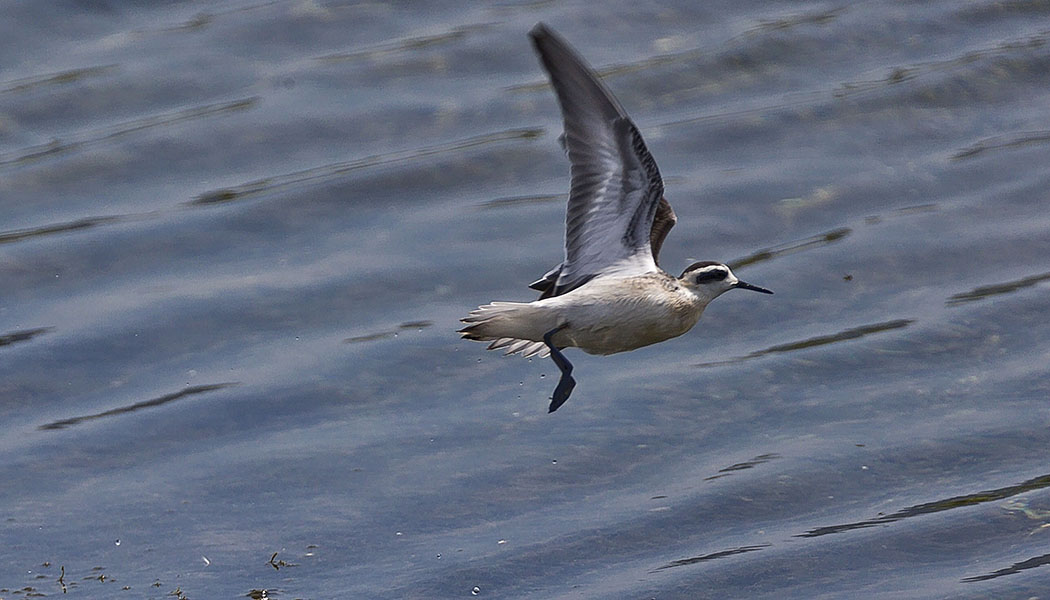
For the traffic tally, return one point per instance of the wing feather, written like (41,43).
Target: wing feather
(664,220)
(616,190)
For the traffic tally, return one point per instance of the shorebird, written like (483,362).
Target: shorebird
(608,295)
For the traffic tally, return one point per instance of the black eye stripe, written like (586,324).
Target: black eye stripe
(712,275)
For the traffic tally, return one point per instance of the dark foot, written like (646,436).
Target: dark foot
(561,393)
(566,383)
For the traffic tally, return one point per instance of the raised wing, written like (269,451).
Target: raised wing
(616,187)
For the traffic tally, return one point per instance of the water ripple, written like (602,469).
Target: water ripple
(1036,483)
(1003,142)
(17,235)
(63,77)
(813,342)
(986,291)
(407,44)
(323,172)
(22,336)
(821,239)
(747,464)
(1031,563)
(90,138)
(382,335)
(721,554)
(166,398)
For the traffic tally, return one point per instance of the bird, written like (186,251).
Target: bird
(609,294)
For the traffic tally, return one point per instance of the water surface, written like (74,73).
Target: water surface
(237,237)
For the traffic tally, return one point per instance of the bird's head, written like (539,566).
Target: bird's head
(711,279)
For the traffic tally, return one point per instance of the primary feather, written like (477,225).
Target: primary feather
(616,191)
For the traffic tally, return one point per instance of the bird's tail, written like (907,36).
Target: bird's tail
(515,326)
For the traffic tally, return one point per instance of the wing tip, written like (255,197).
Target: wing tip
(539,30)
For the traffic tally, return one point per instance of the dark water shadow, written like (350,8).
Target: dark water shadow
(747,464)
(985,291)
(90,138)
(714,555)
(189,391)
(822,239)
(23,335)
(1031,563)
(1037,483)
(382,335)
(333,170)
(823,340)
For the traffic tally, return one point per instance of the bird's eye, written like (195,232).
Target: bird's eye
(712,275)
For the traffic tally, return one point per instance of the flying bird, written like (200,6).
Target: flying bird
(608,295)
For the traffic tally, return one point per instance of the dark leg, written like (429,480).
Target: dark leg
(566,383)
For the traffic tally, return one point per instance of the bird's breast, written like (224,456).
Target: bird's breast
(627,314)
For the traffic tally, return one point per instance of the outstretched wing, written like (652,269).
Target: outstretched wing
(616,186)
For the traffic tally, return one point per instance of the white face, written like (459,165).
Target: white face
(712,280)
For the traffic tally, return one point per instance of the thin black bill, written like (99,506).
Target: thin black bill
(747,286)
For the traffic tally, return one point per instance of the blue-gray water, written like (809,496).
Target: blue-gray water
(236,239)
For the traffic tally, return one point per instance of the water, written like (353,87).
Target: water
(236,239)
